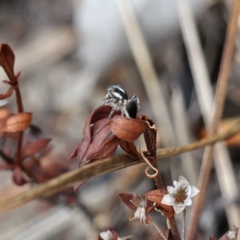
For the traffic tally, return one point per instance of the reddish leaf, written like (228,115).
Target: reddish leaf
(130,148)
(150,135)
(18,122)
(76,150)
(107,149)
(91,145)
(35,171)
(127,129)
(98,114)
(126,199)
(7,94)
(4,113)
(18,176)
(7,59)
(155,196)
(35,147)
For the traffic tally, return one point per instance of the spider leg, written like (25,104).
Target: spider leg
(111,113)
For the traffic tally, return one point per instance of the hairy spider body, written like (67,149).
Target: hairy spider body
(117,99)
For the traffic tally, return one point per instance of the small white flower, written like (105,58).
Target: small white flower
(231,234)
(140,213)
(180,195)
(106,235)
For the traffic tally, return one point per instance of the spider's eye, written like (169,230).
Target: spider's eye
(118,92)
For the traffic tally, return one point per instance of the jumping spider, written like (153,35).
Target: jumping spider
(117,98)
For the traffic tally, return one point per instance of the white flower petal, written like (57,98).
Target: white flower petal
(180,195)
(188,189)
(188,202)
(107,235)
(175,183)
(170,189)
(182,179)
(167,200)
(178,209)
(194,191)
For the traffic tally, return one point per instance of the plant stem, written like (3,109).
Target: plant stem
(20,135)
(174,228)
(184,224)
(159,231)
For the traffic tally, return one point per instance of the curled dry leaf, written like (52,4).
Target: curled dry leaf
(7,94)
(18,176)
(7,59)
(150,135)
(18,122)
(156,196)
(102,135)
(127,129)
(4,114)
(34,147)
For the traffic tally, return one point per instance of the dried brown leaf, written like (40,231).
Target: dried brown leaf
(130,148)
(7,94)
(34,147)
(7,59)
(126,199)
(127,129)
(18,122)
(18,176)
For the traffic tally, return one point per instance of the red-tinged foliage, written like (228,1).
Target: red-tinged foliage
(102,135)
(126,199)
(18,176)
(127,129)
(155,196)
(18,122)
(7,59)
(34,147)
(150,135)
(7,94)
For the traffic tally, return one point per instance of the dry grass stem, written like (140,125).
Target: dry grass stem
(205,97)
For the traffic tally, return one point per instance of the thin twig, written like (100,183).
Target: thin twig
(208,154)
(159,231)
(20,109)
(184,224)
(68,179)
